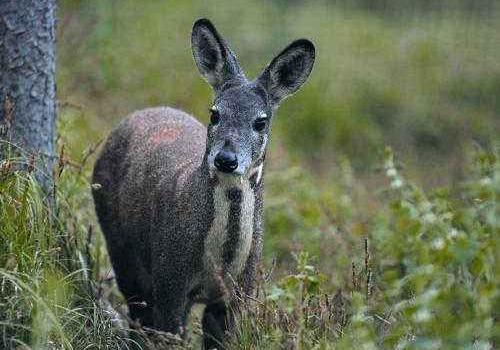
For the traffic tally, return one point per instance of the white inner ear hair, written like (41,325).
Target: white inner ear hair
(212,76)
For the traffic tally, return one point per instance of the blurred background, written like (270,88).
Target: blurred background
(420,76)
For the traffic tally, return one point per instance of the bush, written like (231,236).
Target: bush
(427,280)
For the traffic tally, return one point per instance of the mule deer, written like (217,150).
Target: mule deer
(180,205)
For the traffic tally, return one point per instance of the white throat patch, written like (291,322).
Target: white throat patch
(218,233)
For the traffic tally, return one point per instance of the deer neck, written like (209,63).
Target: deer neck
(230,232)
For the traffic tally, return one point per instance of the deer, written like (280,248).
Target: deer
(181,205)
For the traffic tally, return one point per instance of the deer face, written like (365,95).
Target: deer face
(238,131)
(241,113)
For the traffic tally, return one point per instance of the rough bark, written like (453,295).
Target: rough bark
(27,83)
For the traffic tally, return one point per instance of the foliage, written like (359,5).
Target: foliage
(46,299)
(440,274)
(426,278)
(429,281)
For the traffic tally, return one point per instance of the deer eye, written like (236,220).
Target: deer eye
(260,124)
(214,117)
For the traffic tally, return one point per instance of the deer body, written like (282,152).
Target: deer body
(181,205)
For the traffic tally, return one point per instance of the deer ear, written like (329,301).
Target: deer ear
(214,59)
(288,71)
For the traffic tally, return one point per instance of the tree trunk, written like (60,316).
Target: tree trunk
(27,84)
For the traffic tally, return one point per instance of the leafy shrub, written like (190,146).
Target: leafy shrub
(429,279)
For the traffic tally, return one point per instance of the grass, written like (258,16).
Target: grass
(46,299)
(426,278)
(422,274)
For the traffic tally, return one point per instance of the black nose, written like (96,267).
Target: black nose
(226,161)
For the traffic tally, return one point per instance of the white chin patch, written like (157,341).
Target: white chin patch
(230,179)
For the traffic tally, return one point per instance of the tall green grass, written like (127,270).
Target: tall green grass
(422,273)
(47,298)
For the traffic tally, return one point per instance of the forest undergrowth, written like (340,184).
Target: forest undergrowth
(421,273)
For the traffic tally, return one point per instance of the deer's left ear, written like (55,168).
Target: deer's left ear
(288,71)
(214,59)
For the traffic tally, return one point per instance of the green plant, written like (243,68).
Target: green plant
(46,299)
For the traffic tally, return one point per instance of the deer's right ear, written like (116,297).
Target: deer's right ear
(288,71)
(214,59)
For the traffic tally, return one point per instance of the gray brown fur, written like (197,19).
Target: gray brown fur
(179,230)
